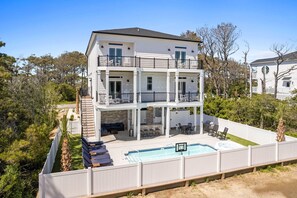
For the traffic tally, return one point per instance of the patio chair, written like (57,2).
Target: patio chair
(190,128)
(213,130)
(157,131)
(179,127)
(152,132)
(222,135)
(95,157)
(111,100)
(96,163)
(96,151)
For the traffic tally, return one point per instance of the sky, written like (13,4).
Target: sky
(53,27)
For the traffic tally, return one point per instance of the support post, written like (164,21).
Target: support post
(168,87)
(218,161)
(201,119)
(134,122)
(167,121)
(128,120)
(201,90)
(139,86)
(182,167)
(138,124)
(195,119)
(163,119)
(97,118)
(249,155)
(176,87)
(97,85)
(201,86)
(135,87)
(277,151)
(89,181)
(139,172)
(107,87)
(41,186)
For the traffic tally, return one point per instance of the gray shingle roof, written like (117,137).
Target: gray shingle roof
(136,31)
(287,57)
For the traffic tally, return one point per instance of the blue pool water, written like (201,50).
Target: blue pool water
(166,152)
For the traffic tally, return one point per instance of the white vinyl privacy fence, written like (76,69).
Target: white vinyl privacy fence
(257,135)
(96,181)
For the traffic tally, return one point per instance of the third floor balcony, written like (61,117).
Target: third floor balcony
(141,62)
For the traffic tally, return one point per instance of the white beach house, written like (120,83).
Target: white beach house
(264,72)
(139,77)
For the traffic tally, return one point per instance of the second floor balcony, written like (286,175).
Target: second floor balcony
(147,97)
(143,62)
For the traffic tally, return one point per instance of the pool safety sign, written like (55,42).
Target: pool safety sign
(181,147)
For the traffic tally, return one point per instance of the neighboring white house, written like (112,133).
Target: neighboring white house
(139,76)
(285,85)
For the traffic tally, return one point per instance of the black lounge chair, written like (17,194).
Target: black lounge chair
(93,147)
(98,151)
(222,135)
(91,143)
(95,157)
(96,163)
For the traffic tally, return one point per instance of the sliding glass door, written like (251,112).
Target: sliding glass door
(115,89)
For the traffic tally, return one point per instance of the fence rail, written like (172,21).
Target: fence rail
(141,175)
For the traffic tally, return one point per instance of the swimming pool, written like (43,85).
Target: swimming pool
(166,152)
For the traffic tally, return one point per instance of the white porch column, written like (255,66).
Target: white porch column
(139,86)
(201,119)
(135,86)
(195,118)
(107,87)
(97,118)
(167,121)
(97,85)
(128,120)
(163,118)
(138,124)
(176,86)
(168,87)
(134,122)
(201,90)
(201,86)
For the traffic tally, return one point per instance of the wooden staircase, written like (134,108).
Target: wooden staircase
(87,109)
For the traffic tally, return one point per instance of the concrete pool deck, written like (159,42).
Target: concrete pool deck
(121,143)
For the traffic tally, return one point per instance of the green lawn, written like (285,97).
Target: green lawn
(241,141)
(66,102)
(76,149)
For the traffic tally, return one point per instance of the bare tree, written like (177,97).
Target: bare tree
(281,51)
(208,53)
(245,55)
(226,35)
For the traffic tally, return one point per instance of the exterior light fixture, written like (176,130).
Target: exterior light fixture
(128,80)
(102,46)
(192,51)
(128,48)
(169,50)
